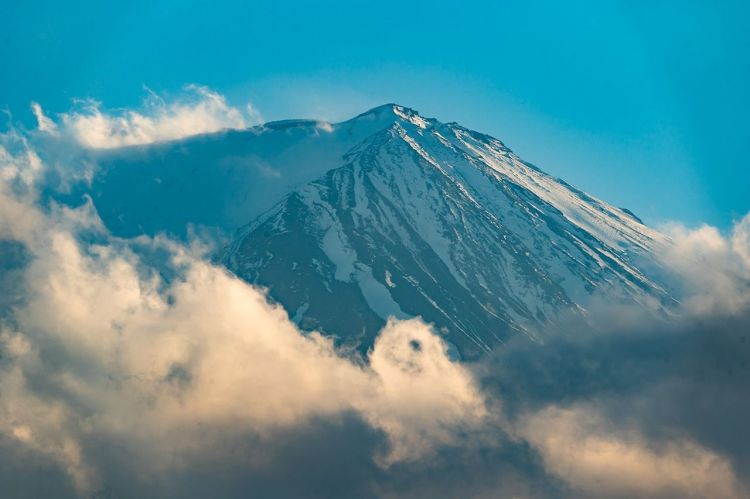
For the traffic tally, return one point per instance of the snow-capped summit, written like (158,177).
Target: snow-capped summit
(432,219)
(393,112)
(388,214)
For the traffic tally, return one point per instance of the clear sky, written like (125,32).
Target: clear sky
(644,104)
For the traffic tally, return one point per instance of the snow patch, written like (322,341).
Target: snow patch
(389,280)
(377,296)
(338,251)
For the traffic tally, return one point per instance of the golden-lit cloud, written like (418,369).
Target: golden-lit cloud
(600,459)
(153,362)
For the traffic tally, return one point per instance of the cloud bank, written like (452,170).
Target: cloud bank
(136,367)
(103,348)
(586,450)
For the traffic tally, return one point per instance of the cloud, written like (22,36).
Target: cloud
(20,168)
(422,398)
(197,110)
(599,459)
(324,125)
(253,115)
(137,367)
(741,240)
(103,348)
(712,271)
(206,353)
(632,409)
(43,122)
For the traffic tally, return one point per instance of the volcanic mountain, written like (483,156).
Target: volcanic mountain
(388,214)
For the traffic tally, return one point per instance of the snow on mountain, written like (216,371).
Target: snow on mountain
(389,213)
(431,219)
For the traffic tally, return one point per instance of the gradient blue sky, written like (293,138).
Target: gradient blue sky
(644,104)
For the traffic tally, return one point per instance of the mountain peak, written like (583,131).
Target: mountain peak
(433,220)
(390,107)
(393,112)
(388,214)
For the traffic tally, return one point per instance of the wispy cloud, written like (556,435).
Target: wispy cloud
(195,111)
(43,122)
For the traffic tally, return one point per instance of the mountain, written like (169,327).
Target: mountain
(218,181)
(389,214)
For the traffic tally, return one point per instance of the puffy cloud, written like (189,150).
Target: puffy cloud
(421,397)
(599,459)
(712,271)
(208,352)
(632,409)
(198,110)
(105,349)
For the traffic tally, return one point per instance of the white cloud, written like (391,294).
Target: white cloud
(713,270)
(172,368)
(43,122)
(599,459)
(198,110)
(324,125)
(20,168)
(421,398)
(741,240)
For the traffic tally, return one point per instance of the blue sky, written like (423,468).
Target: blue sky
(643,104)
